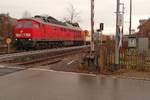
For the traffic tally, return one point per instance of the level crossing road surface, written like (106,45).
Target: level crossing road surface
(37,84)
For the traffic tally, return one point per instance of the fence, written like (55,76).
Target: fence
(128,59)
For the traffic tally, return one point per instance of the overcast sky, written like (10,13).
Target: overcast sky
(104,10)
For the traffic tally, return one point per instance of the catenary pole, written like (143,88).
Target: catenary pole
(117,34)
(130,26)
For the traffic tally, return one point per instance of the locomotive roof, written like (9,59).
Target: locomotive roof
(52,21)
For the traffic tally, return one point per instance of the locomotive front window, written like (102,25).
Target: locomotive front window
(35,26)
(19,24)
(27,24)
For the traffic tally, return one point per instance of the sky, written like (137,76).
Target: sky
(104,11)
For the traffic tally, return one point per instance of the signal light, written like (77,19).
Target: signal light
(101,26)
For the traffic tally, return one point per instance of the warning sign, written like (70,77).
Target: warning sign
(8,40)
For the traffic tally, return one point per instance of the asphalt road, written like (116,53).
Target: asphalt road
(37,84)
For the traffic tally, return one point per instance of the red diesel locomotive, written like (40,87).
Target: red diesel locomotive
(43,32)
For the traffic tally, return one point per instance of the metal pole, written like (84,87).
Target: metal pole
(123,11)
(8,48)
(92,25)
(130,26)
(117,34)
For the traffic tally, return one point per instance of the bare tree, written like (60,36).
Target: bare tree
(26,14)
(73,16)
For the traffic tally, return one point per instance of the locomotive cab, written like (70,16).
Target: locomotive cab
(25,32)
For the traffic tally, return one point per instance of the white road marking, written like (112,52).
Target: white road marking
(2,66)
(75,73)
(70,62)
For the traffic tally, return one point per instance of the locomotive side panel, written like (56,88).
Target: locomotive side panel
(37,30)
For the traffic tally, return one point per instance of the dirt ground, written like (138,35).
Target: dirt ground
(132,74)
(73,64)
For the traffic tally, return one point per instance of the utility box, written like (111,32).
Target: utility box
(132,42)
(143,44)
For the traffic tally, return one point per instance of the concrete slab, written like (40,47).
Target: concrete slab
(5,71)
(37,84)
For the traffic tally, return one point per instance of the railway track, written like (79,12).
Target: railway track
(22,61)
(44,61)
(8,57)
